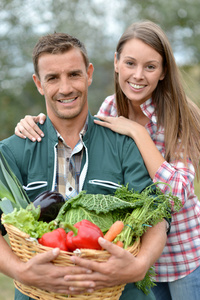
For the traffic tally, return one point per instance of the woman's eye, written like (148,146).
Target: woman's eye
(129,63)
(150,67)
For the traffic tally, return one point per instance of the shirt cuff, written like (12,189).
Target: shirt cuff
(164,173)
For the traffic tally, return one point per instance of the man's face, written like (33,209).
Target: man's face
(64,82)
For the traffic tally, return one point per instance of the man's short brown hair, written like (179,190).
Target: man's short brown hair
(57,43)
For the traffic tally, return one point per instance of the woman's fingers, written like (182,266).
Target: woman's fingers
(27,127)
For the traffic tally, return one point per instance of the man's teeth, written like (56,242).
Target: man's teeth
(136,86)
(67,101)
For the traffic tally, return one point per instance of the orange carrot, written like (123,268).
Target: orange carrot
(120,244)
(114,230)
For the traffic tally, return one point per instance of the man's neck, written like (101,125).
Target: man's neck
(70,129)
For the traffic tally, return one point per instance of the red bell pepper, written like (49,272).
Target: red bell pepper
(83,234)
(54,239)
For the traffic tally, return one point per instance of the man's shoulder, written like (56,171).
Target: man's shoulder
(100,132)
(12,146)
(12,140)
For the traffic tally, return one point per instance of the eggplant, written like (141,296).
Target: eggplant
(50,203)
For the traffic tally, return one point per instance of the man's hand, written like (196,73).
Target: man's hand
(122,267)
(40,272)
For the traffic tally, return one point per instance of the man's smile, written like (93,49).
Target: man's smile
(68,100)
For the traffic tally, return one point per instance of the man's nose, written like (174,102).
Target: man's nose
(65,86)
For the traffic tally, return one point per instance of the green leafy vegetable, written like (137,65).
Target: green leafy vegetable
(155,207)
(26,221)
(98,203)
(103,210)
(74,215)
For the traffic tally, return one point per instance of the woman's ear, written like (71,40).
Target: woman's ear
(116,61)
(162,76)
(38,84)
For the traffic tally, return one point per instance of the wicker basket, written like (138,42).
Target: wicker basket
(26,247)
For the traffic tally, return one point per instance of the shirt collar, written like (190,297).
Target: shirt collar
(148,108)
(84,129)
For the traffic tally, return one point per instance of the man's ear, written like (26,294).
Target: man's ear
(38,84)
(90,71)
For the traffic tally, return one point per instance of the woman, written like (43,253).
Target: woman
(154,110)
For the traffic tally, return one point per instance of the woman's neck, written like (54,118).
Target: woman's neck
(136,114)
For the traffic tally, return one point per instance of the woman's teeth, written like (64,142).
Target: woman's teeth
(136,86)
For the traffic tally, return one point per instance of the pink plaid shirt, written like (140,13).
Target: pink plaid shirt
(181,254)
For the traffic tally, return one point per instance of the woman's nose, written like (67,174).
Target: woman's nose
(138,73)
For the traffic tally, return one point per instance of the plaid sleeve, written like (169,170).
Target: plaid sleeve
(108,107)
(179,177)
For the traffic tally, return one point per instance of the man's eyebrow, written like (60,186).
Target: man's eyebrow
(76,71)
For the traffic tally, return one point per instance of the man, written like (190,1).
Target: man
(76,155)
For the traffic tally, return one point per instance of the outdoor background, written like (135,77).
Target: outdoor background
(99,24)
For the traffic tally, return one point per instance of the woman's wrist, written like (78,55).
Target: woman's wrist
(137,132)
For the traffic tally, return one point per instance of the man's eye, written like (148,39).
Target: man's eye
(75,74)
(51,78)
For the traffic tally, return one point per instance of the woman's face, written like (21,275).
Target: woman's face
(139,70)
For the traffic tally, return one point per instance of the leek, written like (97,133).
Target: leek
(12,194)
